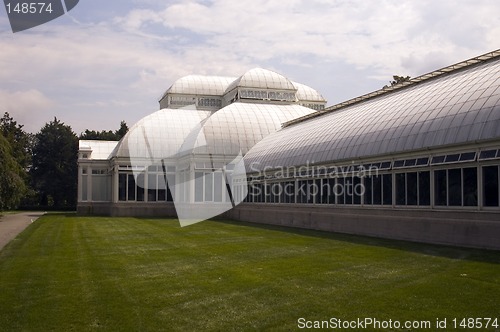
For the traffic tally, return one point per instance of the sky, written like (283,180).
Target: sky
(108,61)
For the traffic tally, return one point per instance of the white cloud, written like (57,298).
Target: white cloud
(98,74)
(26,106)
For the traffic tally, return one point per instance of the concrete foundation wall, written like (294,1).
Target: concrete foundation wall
(128,209)
(478,229)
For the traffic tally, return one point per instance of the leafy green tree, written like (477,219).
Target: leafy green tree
(105,135)
(54,170)
(12,186)
(20,141)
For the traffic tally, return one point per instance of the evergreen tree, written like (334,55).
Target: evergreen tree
(122,131)
(54,170)
(105,135)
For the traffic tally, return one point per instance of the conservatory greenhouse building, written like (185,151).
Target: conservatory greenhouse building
(416,161)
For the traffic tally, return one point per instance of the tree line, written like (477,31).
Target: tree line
(39,171)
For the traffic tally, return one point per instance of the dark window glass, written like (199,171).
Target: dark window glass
(331,191)
(340,190)
(291,191)
(302,192)
(470,186)
(323,191)
(122,187)
(349,188)
(357,190)
(399,163)
(487,154)
(267,198)
(440,187)
(468,156)
(438,160)
(410,162)
(452,158)
(424,188)
(311,191)
(400,189)
(490,183)
(140,187)
(411,188)
(131,188)
(368,190)
(422,161)
(455,187)
(377,189)
(385,165)
(283,198)
(387,189)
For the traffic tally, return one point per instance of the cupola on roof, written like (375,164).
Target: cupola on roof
(262,79)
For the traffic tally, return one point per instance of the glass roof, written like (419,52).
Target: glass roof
(201,85)
(306,93)
(238,127)
(100,149)
(262,79)
(170,133)
(459,107)
(161,133)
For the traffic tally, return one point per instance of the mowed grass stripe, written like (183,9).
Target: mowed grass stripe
(96,273)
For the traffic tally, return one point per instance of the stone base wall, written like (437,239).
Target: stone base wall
(127,209)
(477,229)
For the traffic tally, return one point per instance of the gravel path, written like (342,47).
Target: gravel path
(13,224)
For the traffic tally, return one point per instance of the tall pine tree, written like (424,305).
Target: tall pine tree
(54,169)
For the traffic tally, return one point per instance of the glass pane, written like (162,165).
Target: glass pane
(470,186)
(455,187)
(331,190)
(400,189)
(411,188)
(122,187)
(140,187)
(218,187)
(131,188)
(440,187)
(209,187)
(198,187)
(452,158)
(490,182)
(468,156)
(357,190)
(368,190)
(487,154)
(438,159)
(387,189)
(152,188)
(340,190)
(424,188)
(84,187)
(377,189)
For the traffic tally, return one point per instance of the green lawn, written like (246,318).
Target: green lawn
(94,273)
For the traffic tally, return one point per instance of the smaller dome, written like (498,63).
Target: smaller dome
(200,85)
(262,79)
(306,93)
